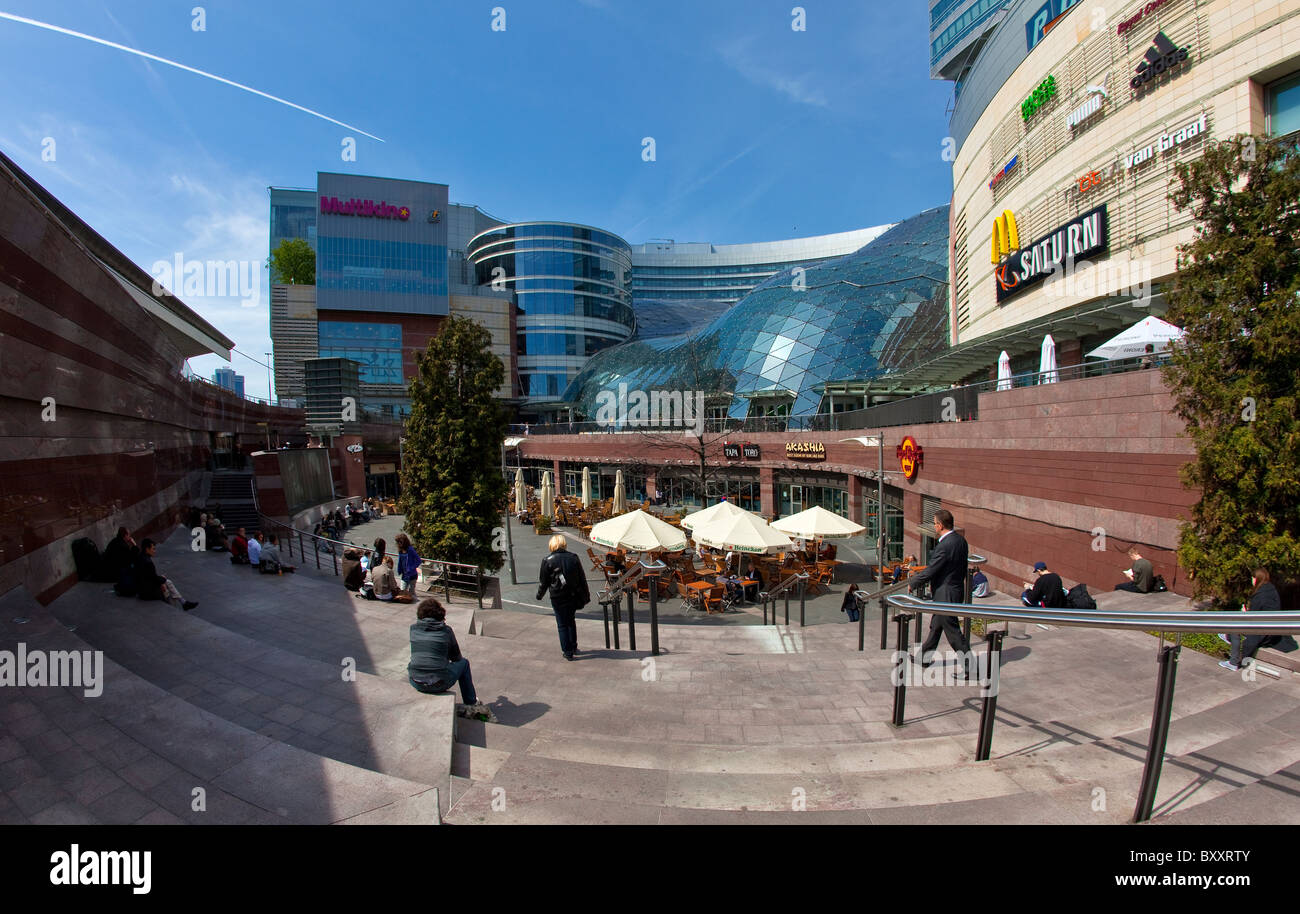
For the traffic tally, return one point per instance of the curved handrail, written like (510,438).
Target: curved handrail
(785,585)
(1254,623)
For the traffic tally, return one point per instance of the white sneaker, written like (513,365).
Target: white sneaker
(1229,665)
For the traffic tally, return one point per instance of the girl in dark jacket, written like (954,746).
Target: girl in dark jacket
(850,604)
(1265,599)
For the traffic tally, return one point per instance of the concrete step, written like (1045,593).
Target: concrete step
(137,754)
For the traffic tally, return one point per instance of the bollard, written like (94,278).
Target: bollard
(1159,731)
(617,608)
(631,620)
(654,614)
(787,606)
(763,600)
(900,685)
(989,709)
(862,625)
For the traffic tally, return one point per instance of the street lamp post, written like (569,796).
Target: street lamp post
(268,379)
(510,544)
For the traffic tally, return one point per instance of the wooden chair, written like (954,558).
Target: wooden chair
(643,589)
(713,599)
(596,563)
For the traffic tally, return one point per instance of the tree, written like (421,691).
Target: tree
(1235,379)
(452,490)
(293,262)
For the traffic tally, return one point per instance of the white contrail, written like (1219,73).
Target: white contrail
(181,66)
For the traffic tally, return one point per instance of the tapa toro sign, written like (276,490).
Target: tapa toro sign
(1080,237)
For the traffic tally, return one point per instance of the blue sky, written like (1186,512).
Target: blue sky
(761,132)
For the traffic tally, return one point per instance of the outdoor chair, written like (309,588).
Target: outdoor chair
(713,600)
(596,563)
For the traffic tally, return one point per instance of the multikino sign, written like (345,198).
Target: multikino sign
(1030,265)
(355,207)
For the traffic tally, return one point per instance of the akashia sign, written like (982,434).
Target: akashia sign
(369,208)
(1080,237)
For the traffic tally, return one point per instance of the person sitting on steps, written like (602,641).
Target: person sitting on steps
(436,662)
(150,585)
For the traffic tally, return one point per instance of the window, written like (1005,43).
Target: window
(1284,106)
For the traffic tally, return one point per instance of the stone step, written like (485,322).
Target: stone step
(137,754)
(362,720)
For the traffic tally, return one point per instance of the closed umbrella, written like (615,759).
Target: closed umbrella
(722,509)
(521,495)
(742,532)
(817,523)
(1004,371)
(1047,361)
(638,531)
(1134,341)
(586,487)
(548,496)
(620,494)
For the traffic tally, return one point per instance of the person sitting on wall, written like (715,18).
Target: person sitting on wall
(271,562)
(1047,589)
(255,550)
(120,556)
(1266,599)
(150,585)
(239,548)
(1141,576)
(979,584)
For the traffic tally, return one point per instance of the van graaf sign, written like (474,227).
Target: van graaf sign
(1166,142)
(1030,265)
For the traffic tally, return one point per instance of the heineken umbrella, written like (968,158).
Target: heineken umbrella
(638,531)
(521,494)
(1004,371)
(722,509)
(742,532)
(1047,361)
(586,487)
(817,523)
(548,496)
(1150,331)
(620,494)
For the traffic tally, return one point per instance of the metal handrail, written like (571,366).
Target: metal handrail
(1255,623)
(786,584)
(317,537)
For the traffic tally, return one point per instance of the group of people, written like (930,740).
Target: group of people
(374,576)
(261,551)
(130,568)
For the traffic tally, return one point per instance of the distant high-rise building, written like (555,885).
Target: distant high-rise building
(228,380)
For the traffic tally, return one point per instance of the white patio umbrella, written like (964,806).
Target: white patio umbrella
(1004,371)
(742,532)
(521,494)
(1134,340)
(710,514)
(586,487)
(638,531)
(817,523)
(620,494)
(548,496)
(1047,361)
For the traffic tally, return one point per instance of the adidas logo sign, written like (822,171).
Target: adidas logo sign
(1161,57)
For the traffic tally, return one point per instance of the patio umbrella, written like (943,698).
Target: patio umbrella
(710,514)
(1134,340)
(548,496)
(586,487)
(638,531)
(521,495)
(817,523)
(742,532)
(1047,361)
(1004,371)
(620,494)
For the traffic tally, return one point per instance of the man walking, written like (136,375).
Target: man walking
(562,574)
(946,574)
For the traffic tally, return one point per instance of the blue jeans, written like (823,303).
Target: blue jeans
(568,629)
(458,672)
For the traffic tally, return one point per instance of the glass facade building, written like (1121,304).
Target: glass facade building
(880,309)
(573,291)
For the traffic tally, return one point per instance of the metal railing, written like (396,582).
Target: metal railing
(799,578)
(1178,623)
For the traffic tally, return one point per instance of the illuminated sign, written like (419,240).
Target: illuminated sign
(1045,92)
(1140,15)
(751,451)
(1060,248)
(731,451)
(1006,170)
(805,450)
(1096,95)
(1005,237)
(1045,19)
(1160,58)
(369,208)
(910,457)
(1166,142)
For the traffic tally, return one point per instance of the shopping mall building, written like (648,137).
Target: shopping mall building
(1067,125)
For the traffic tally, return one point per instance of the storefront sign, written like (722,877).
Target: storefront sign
(1080,237)
(1005,237)
(1041,96)
(1160,58)
(1006,170)
(1166,142)
(381,469)
(731,451)
(805,450)
(355,207)
(1140,15)
(354,449)
(751,452)
(910,456)
(1096,95)
(1045,19)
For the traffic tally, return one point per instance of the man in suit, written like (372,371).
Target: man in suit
(946,574)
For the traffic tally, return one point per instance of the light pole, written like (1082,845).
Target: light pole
(510,545)
(268,379)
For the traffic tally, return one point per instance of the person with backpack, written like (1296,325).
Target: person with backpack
(1047,589)
(563,576)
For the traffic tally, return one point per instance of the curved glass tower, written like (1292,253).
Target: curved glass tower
(573,288)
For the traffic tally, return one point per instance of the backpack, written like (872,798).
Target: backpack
(1079,598)
(1158,584)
